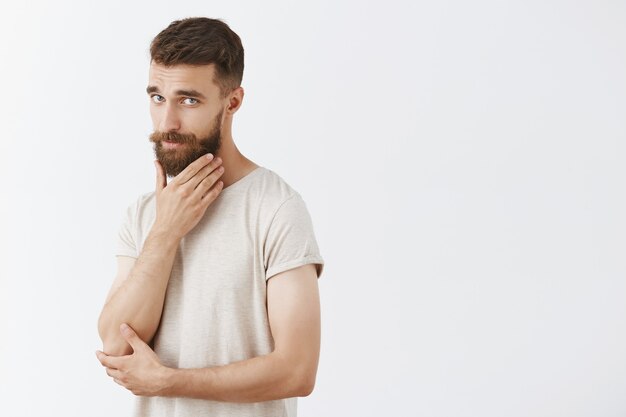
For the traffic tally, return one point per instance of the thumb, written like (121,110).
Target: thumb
(131,337)
(160,177)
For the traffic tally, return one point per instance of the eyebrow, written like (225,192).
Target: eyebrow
(186,93)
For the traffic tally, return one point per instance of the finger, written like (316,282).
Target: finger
(215,165)
(192,169)
(131,337)
(210,181)
(161,181)
(109,361)
(209,197)
(113,373)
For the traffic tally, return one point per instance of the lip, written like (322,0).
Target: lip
(171,145)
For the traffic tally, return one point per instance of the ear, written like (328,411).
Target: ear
(235,99)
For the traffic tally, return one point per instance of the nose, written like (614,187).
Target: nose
(169,120)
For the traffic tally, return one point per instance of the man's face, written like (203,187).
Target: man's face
(186,113)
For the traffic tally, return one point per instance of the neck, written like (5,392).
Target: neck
(236,165)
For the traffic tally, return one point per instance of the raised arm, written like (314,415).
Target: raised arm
(138,292)
(137,295)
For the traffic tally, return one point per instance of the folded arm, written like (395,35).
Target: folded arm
(288,371)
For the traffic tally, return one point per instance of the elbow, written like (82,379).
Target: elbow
(299,373)
(306,387)
(116,347)
(305,383)
(112,341)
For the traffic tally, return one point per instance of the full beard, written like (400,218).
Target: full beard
(175,160)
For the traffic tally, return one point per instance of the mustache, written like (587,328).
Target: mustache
(175,137)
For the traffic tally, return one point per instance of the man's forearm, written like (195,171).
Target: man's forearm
(139,300)
(262,378)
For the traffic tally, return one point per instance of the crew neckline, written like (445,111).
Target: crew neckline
(241,181)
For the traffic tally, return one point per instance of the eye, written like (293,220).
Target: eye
(191,98)
(155,95)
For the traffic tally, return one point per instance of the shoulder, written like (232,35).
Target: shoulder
(284,207)
(273,189)
(145,201)
(146,198)
(142,207)
(280,206)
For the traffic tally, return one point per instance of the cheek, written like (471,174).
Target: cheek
(197,122)
(155,116)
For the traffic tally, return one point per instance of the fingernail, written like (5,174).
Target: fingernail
(124,326)
(209,156)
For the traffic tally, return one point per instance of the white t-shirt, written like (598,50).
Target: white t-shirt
(215,305)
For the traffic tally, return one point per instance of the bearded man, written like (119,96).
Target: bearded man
(215,307)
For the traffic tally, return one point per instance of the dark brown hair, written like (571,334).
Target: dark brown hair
(202,41)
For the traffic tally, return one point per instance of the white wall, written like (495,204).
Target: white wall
(463,163)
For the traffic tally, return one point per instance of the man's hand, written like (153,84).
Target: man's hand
(141,372)
(181,204)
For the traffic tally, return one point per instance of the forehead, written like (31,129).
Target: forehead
(186,77)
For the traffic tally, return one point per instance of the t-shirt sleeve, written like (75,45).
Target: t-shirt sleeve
(126,234)
(291,240)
